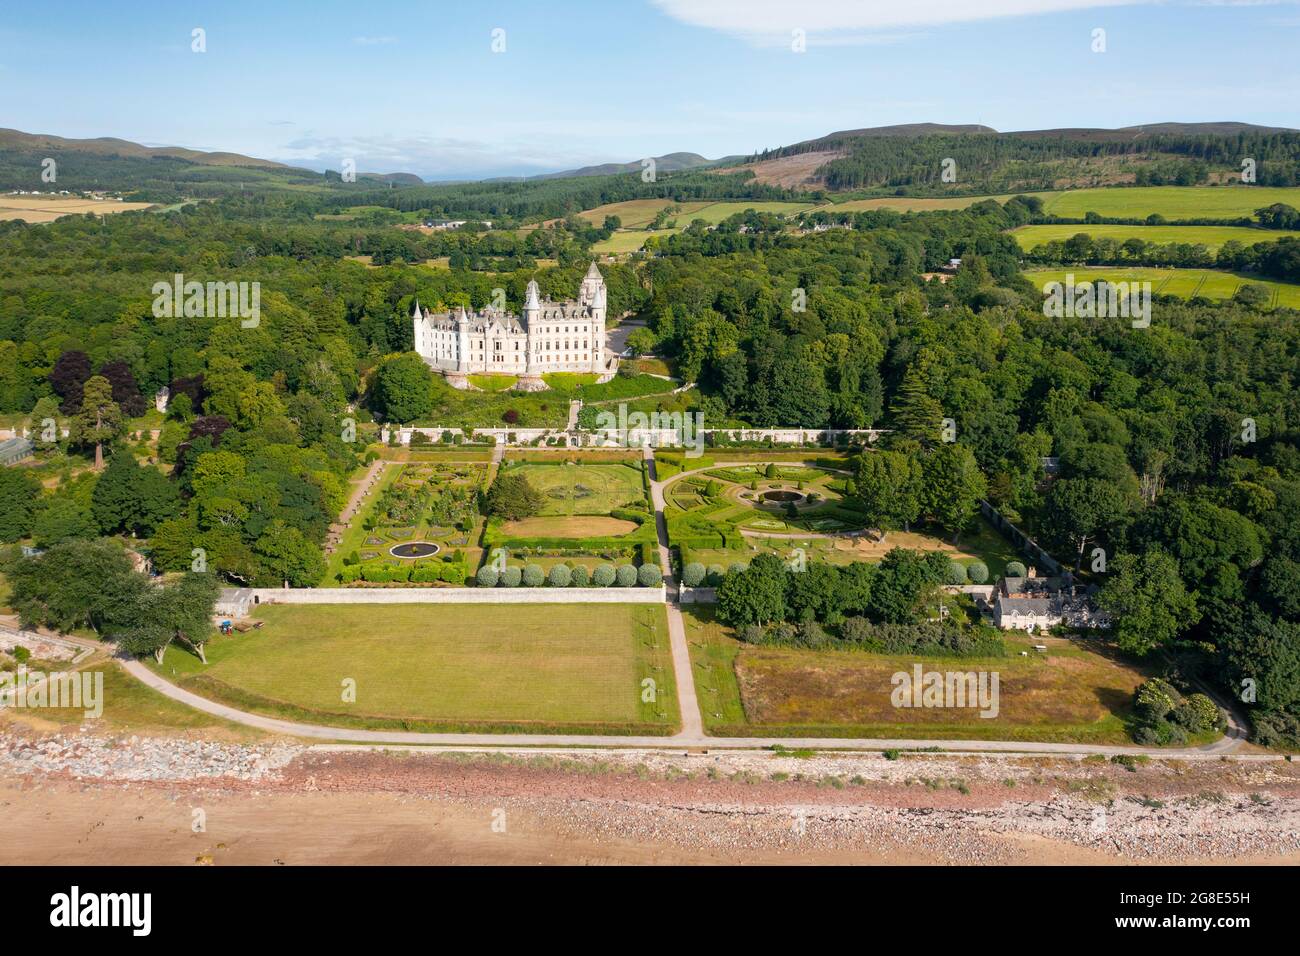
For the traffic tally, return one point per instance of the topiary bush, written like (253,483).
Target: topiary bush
(1016,569)
(978,572)
(512,576)
(736,567)
(649,576)
(559,576)
(625,576)
(715,575)
(533,576)
(693,574)
(487,576)
(956,573)
(580,576)
(603,576)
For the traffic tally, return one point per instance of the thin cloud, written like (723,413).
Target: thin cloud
(853,22)
(373,41)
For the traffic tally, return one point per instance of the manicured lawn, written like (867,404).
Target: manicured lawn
(1210,283)
(555,667)
(1213,237)
(568,526)
(1073,692)
(583,489)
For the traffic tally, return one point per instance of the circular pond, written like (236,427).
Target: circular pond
(414,549)
(782,496)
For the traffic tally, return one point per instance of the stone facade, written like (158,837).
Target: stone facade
(546,337)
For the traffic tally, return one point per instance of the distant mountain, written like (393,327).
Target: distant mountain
(12,139)
(668,163)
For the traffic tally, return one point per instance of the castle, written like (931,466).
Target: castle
(547,337)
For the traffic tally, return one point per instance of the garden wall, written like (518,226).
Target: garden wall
(541,595)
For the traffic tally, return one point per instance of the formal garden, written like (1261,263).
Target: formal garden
(723,515)
(420,525)
(570,519)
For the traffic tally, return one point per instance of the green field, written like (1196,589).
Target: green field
(1030,237)
(1172,202)
(555,667)
(1074,692)
(916,203)
(582,489)
(641,212)
(1210,283)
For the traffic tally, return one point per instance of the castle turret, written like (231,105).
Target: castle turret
(462,339)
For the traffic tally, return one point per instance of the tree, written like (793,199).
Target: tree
(953,487)
(125,390)
(177,611)
(99,420)
(131,498)
(43,424)
(74,584)
(286,555)
(1079,510)
(1145,596)
(754,595)
(19,491)
(915,413)
(403,388)
(68,378)
(888,484)
(903,581)
(511,497)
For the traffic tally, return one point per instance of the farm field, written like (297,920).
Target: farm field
(1172,202)
(637,213)
(561,668)
(49,208)
(631,238)
(1210,283)
(1072,692)
(1030,237)
(916,203)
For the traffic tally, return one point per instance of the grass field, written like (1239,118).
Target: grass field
(568,526)
(1212,236)
(583,489)
(49,208)
(558,667)
(1210,283)
(638,213)
(131,706)
(1071,693)
(915,203)
(1172,202)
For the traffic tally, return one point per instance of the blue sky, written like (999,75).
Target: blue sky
(415,86)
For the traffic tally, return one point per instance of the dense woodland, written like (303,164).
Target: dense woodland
(1178,445)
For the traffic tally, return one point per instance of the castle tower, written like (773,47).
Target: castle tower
(462,340)
(532,377)
(591,294)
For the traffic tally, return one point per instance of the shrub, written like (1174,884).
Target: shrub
(21,654)
(956,573)
(580,576)
(512,576)
(978,572)
(603,576)
(559,576)
(625,576)
(1198,713)
(533,576)
(1155,699)
(693,574)
(649,576)
(352,558)
(487,576)
(1016,569)
(736,567)
(715,575)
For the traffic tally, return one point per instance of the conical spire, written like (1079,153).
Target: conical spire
(593,272)
(532,298)
(416,313)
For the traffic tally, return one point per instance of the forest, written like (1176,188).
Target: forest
(1175,449)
